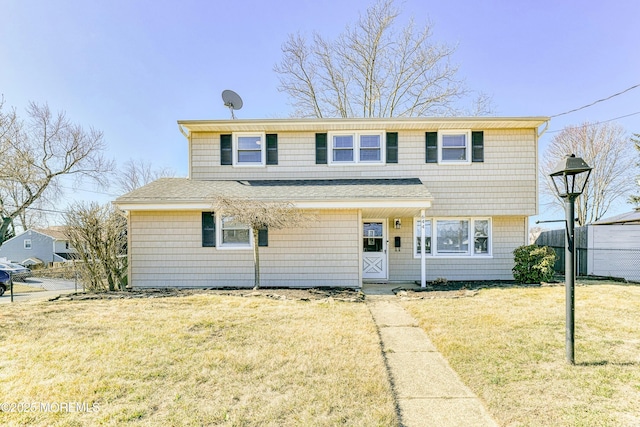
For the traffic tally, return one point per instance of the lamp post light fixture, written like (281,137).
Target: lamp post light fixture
(570,181)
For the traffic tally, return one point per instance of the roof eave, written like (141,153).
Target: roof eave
(390,124)
(301,204)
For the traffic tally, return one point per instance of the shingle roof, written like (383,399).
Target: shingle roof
(184,190)
(56,232)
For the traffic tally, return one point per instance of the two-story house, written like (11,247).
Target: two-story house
(370,185)
(38,246)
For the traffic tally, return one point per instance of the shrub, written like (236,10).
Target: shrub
(533,264)
(440,281)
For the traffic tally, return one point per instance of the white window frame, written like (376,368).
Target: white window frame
(27,244)
(467,138)
(231,246)
(489,238)
(236,148)
(356,147)
(471,253)
(416,236)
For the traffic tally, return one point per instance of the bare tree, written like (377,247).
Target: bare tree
(258,216)
(635,199)
(534,233)
(372,69)
(606,148)
(134,174)
(37,152)
(99,235)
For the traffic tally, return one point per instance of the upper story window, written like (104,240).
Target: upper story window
(454,237)
(454,147)
(451,147)
(27,243)
(249,149)
(356,147)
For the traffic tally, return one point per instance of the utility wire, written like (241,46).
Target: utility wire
(40,209)
(598,123)
(595,102)
(89,191)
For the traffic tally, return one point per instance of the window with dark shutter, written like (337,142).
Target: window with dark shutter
(208,229)
(392,147)
(263,237)
(431,147)
(226,152)
(477,146)
(321,148)
(272,148)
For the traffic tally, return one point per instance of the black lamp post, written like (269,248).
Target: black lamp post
(569,181)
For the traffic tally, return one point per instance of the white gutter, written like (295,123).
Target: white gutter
(311,204)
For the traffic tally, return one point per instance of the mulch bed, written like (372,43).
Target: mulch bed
(315,294)
(460,289)
(433,290)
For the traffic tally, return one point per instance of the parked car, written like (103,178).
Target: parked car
(17,271)
(4,282)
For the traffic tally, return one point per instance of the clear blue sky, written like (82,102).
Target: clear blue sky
(132,68)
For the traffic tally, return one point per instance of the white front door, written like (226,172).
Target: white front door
(374,249)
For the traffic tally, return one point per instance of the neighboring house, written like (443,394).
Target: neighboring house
(608,247)
(614,246)
(37,246)
(367,183)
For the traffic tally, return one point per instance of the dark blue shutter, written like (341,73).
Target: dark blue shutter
(263,237)
(208,229)
(272,149)
(321,148)
(431,147)
(226,154)
(477,146)
(392,147)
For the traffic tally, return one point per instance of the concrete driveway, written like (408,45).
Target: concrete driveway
(51,289)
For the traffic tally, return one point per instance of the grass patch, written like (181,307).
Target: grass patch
(196,360)
(19,288)
(508,346)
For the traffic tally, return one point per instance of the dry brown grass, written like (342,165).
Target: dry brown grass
(197,360)
(508,345)
(17,287)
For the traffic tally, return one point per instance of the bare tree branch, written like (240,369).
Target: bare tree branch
(606,148)
(372,69)
(36,153)
(99,236)
(261,215)
(635,199)
(137,173)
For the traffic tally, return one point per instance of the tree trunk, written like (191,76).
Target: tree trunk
(256,259)
(4,226)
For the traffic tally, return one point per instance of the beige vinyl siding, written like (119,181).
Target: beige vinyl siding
(166,251)
(507,234)
(504,184)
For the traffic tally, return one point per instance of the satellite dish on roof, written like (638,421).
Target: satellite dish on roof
(231,100)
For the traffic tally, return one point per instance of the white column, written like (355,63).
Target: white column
(423,272)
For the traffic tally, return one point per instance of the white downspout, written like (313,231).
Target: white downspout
(423,272)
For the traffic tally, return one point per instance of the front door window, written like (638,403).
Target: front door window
(374,253)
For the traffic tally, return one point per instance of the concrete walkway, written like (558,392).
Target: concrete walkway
(428,391)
